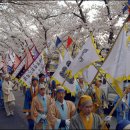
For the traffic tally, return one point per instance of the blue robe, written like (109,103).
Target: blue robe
(28,99)
(27,106)
(122,110)
(64,114)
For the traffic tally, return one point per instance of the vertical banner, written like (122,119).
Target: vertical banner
(35,69)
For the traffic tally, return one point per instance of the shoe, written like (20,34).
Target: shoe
(12,113)
(8,114)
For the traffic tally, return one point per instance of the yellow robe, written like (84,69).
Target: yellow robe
(88,123)
(37,109)
(98,101)
(54,114)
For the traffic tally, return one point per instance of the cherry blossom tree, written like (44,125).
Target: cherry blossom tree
(24,23)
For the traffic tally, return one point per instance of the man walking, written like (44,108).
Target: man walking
(61,111)
(9,99)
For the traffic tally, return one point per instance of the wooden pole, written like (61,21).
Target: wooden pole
(118,101)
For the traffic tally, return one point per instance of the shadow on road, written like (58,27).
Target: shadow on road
(18,121)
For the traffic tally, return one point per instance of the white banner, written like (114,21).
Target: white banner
(35,69)
(118,62)
(86,56)
(62,72)
(89,74)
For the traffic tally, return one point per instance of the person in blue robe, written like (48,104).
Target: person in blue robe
(122,111)
(30,93)
(123,125)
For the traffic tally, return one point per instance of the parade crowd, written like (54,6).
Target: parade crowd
(47,105)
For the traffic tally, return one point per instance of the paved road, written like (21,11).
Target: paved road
(18,121)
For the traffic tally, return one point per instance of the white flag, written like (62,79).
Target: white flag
(86,56)
(35,69)
(60,59)
(61,74)
(9,57)
(118,62)
(89,73)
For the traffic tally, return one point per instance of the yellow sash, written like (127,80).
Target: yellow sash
(87,123)
(98,92)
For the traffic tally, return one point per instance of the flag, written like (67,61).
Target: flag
(29,58)
(34,52)
(115,64)
(118,62)
(46,51)
(69,42)
(89,74)
(19,67)
(85,57)
(58,41)
(9,69)
(16,62)
(63,75)
(36,68)
(60,59)
(21,72)
(9,57)
(126,7)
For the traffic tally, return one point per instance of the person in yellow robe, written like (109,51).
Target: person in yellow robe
(39,108)
(99,98)
(61,111)
(85,119)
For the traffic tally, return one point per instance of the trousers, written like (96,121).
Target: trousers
(9,107)
(30,124)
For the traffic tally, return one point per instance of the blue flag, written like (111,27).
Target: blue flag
(9,69)
(58,41)
(126,7)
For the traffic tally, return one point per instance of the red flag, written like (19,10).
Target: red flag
(16,62)
(29,58)
(69,42)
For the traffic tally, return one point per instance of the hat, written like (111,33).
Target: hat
(41,75)
(122,124)
(42,86)
(85,100)
(60,89)
(34,78)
